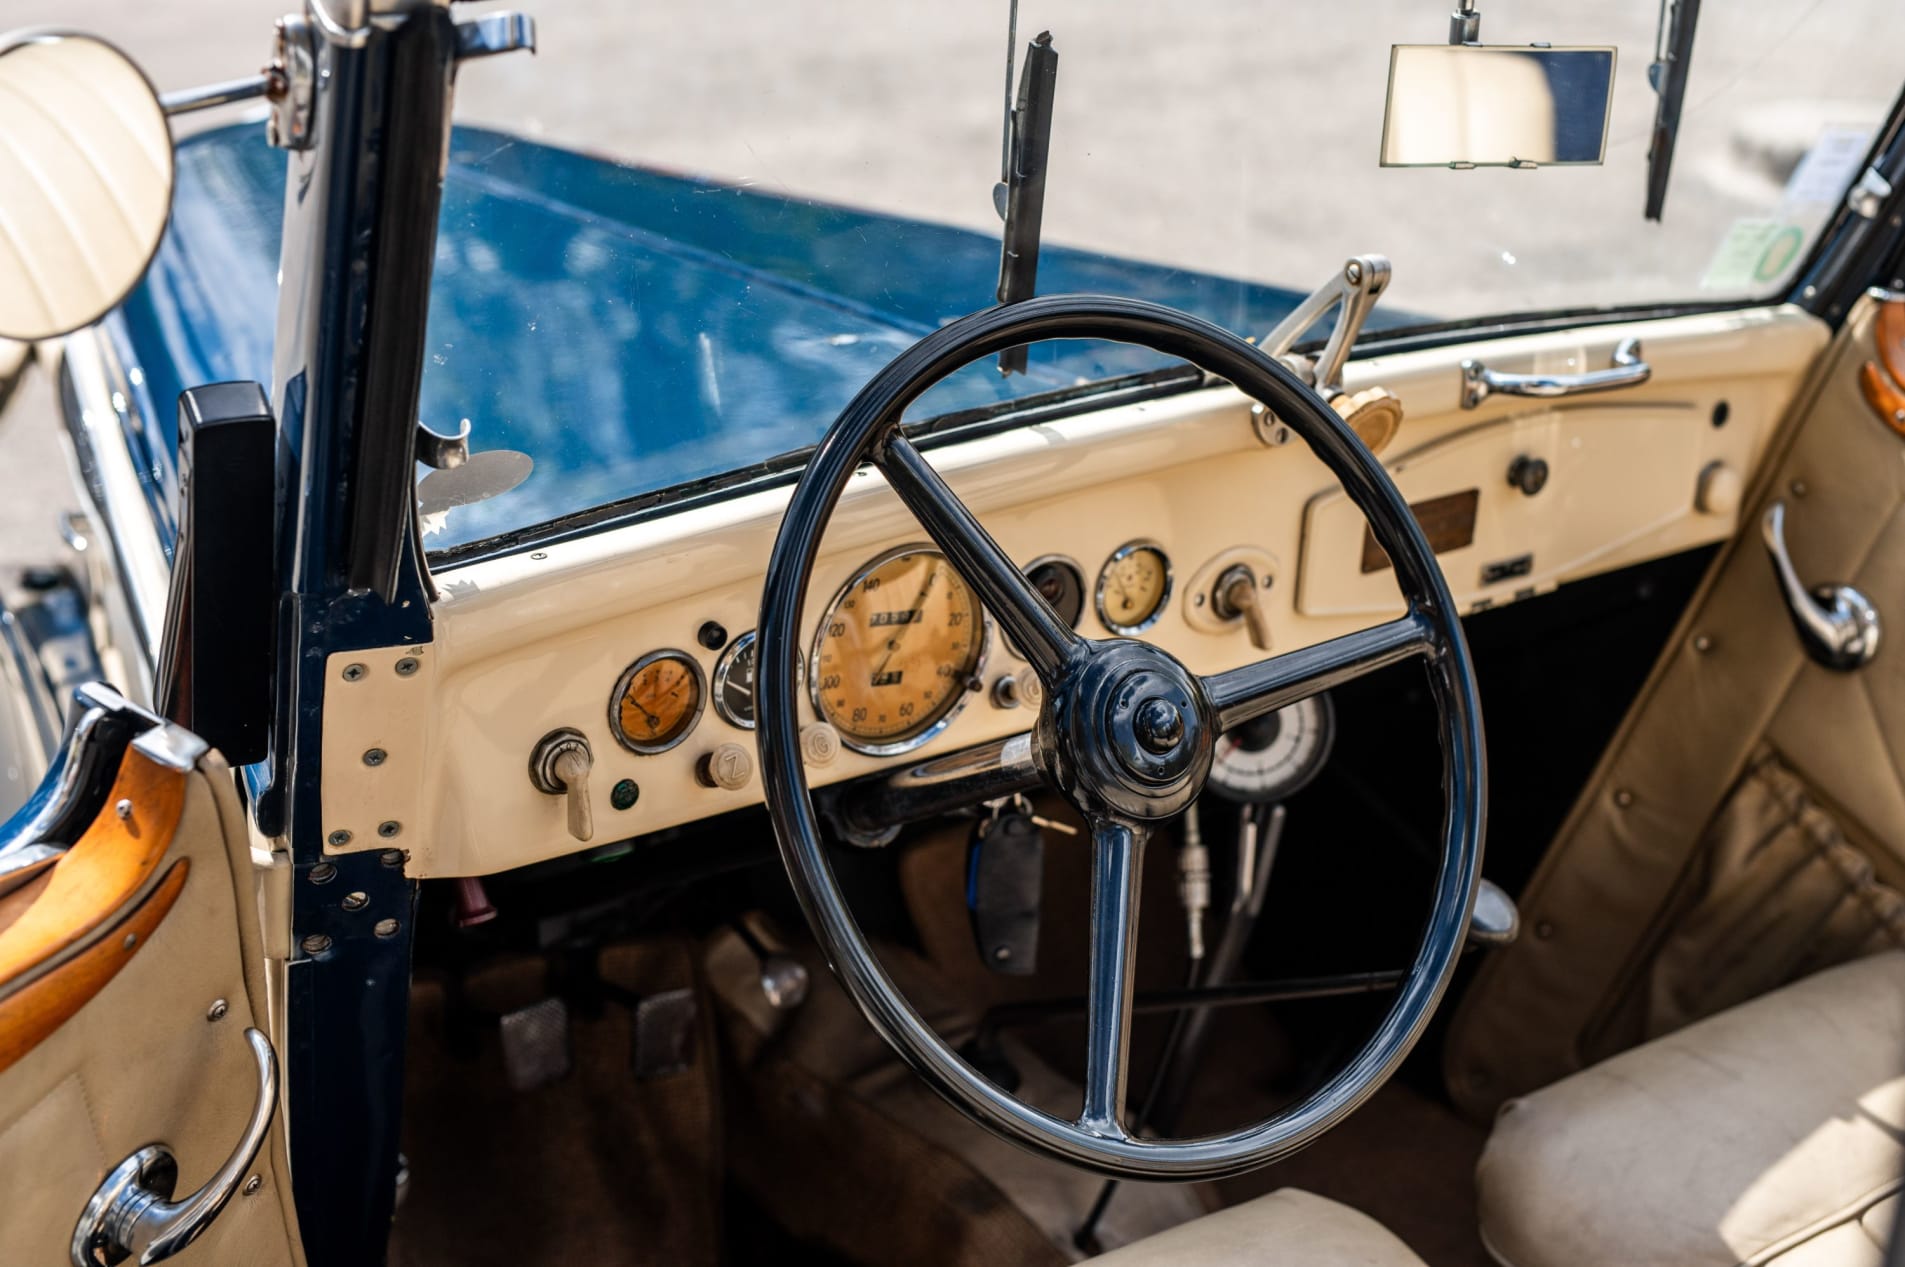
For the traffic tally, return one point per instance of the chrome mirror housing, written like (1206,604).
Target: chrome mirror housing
(87,174)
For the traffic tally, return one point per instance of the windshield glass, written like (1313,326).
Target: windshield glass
(799,191)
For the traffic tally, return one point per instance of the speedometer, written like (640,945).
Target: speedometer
(896,652)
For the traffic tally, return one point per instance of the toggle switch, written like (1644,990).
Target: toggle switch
(560,766)
(1235,596)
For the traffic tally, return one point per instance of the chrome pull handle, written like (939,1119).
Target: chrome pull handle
(132,1215)
(1838,626)
(1479,382)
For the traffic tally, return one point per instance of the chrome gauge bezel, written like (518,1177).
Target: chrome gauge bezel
(621,687)
(959,698)
(723,671)
(1125,551)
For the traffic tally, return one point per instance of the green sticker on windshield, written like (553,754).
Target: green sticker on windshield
(1755,253)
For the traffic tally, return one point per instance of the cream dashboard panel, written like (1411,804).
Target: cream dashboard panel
(538,641)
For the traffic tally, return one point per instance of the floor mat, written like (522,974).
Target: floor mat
(597,1168)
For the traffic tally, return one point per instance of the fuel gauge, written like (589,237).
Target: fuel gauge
(1133,587)
(657,702)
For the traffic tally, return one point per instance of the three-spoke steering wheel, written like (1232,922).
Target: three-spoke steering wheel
(1126,733)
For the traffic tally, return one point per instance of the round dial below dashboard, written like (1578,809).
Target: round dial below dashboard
(1133,586)
(896,651)
(657,702)
(1274,756)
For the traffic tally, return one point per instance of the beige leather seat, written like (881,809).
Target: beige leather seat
(1772,1133)
(1288,1228)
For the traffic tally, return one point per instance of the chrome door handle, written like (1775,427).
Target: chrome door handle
(132,1215)
(1838,626)
(1479,382)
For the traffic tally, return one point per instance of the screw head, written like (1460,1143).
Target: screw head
(354,672)
(1799,488)
(1353,273)
(375,756)
(388,828)
(218,1010)
(123,808)
(386,928)
(356,901)
(391,857)
(252,1185)
(339,838)
(315,944)
(1623,797)
(406,666)
(322,873)
(1702,643)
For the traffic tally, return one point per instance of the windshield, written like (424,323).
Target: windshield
(691,276)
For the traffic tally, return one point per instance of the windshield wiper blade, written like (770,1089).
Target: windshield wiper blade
(1673,54)
(1021,192)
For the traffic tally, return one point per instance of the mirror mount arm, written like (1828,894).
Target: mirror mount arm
(1465,24)
(1353,292)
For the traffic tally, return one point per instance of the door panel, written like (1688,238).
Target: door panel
(129,976)
(1647,842)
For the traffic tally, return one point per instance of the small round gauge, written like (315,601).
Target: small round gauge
(1133,587)
(657,702)
(1273,757)
(896,651)
(734,682)
(1060,583)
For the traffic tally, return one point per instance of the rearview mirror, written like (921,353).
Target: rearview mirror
(1456,105)
(85,180)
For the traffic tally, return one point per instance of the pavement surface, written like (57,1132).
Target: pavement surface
(1234,136)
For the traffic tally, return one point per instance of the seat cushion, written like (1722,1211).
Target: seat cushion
(1288,1227)
(1768,1130)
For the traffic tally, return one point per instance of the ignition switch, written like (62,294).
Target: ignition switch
(560,766)
(1236,596)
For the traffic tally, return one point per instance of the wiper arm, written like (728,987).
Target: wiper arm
(1020,195)
(1673,54)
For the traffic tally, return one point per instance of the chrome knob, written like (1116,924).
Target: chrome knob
(560,766)
(1236,597)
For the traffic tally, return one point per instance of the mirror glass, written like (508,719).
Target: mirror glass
(85,180)
(1499,106)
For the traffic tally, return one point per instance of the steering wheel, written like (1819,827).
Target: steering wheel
(1125,733)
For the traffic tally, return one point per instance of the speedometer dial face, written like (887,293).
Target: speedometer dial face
(896,651)
(1133,587)
(657,702)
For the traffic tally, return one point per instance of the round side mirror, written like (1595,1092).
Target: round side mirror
(85,180)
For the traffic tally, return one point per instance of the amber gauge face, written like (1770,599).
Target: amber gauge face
(1133,587)
(657,702)
(895,651)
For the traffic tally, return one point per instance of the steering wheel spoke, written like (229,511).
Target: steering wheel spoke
(1116,867)
(1027,618)
(1239,695)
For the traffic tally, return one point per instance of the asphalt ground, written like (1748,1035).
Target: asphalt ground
(1233,136)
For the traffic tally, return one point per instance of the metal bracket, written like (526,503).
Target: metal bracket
(495,33)
(1867,196)
(291,84)
(1353,292)
(443,453)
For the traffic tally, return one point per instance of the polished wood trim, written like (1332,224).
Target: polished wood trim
(1888,331)
(1885,399)
(38,1008)
(103,870)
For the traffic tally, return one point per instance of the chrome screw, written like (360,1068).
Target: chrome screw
(1353,273)
(406,667)
(322,873)
(1623,797)
(217,1011)
(375,756)
(356,901)
(354,672)
(339,838)
(388,828)
(123,809)
(252,1185)
(391,857)
(386,928)
(132,939)
(315,944)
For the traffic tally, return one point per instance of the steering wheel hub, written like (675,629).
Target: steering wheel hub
(1129,731)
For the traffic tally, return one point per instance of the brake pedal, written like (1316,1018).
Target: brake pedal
(536,1044)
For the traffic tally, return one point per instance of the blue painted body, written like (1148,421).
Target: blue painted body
(630,329)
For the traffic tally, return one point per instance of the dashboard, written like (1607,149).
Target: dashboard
(1175,520)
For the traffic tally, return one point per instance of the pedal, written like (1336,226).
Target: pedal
(665,1034)
(536,1045)
(1004,879)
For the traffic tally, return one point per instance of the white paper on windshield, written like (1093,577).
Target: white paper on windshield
(1826,170)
